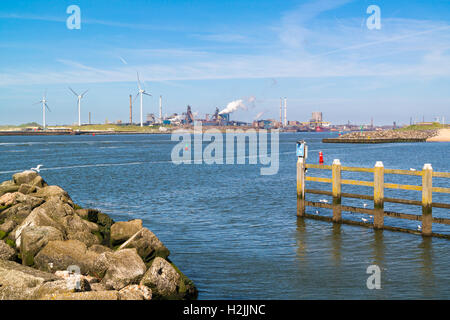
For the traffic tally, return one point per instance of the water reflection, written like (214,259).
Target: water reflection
(301,238)
(336,243)
(427,276)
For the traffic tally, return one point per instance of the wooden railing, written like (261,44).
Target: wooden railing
(378,213)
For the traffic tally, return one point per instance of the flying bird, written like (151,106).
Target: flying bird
(38,168)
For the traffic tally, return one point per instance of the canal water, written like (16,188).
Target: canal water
(235,232)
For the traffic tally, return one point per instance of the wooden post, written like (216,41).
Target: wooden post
(336,190)
(427,194)
(378,195)
(300,187)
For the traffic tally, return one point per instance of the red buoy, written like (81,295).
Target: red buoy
(320,157)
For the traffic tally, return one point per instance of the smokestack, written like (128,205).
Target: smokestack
(160,109)
(281,112)
(131,110)
(285,112)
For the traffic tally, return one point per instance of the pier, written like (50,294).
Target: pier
(379,185)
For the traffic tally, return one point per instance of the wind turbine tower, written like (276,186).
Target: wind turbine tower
(79,97)
(140,93)
(44,105)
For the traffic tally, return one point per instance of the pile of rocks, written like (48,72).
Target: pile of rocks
(391,134)
(51,248)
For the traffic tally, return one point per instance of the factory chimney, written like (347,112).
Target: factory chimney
(281,112)
(131,110)
(160,109)
(285,112)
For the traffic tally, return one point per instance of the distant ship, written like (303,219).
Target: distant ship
(321,129)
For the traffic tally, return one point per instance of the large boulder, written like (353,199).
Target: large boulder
(147,244)
(8,186)
(119,269)
(6,252)
(34,238)
(59,255)
(7,226)
(19,282)
(24,177)
(135,292)
(88,238)
(53,192)
(88,295)
(37,217)
(123,230)
(61,287)
(162,278)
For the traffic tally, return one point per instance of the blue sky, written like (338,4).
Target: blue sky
(318,54)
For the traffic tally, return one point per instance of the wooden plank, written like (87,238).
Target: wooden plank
(404,172)
(441,174)
(357,169)
(358,183)
(441,190)
(315,191)
(317,179)
(402,186)
(317,166)
(369,225)
(378,195)
(300,186)
(336,189)
(357,196)
(427,195)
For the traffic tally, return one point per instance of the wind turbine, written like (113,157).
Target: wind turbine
(79,97)
(141,92)
(44,105)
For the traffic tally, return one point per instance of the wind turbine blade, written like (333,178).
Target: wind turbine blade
(136,97)
(147,93)
(45,93)
(73,92)
(139,81)
(46,105)
(37,103)
(82,95)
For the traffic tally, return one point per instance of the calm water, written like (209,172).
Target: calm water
(234,232)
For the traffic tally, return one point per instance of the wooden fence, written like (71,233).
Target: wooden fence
(378,213)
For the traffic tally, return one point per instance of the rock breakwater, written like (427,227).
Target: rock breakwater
(52,249)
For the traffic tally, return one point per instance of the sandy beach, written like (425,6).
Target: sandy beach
(443,136)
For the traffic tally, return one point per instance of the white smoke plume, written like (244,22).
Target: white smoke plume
(233,106)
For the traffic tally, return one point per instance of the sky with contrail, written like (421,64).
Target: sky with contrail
(319,54)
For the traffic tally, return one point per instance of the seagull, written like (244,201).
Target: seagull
(317,211)
(364,220)
(38,168)
(419,227)
(323,200)
(370,216)
(365,205)
(412,169)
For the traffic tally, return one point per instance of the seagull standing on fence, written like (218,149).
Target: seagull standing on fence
(38,168)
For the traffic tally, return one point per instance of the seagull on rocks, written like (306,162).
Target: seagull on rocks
(38,168)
